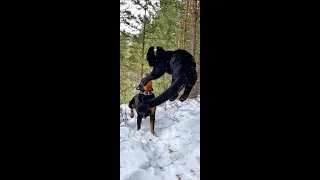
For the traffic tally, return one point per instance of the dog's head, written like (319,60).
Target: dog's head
(147,87)
(153,55)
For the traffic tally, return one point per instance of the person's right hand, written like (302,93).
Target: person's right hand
(144,81)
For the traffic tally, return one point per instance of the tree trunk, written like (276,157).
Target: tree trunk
(193,37)
(196,88)
(193,34)
(124,85)
(185,25)
(141,75)
(143,36)
(178,37)
(180,26)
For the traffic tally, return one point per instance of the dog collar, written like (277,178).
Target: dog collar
(148,93)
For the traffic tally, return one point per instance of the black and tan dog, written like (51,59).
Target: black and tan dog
(135,103)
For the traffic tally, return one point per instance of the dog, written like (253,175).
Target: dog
(135,103)
(180,64)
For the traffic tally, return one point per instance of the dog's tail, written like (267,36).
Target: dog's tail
(174,89)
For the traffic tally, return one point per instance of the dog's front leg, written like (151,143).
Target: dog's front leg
(131,110)
(152,121)
(139,121)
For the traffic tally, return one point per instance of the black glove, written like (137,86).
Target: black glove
(144,81)
(140,87)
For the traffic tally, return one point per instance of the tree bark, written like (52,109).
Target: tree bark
(185,25)
(143,36)
(193,38)
(180,26)
(193,31)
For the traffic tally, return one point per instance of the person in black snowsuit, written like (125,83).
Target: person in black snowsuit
(180,64)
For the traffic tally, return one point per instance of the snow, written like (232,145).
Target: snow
(144,156)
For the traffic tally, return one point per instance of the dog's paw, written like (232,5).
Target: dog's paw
(152,132)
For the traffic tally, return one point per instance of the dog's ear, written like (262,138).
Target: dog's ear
(151,58)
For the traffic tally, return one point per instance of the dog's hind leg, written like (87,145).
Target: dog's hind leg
(139,121)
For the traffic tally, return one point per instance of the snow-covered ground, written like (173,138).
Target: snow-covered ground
(173,153)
